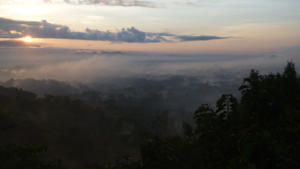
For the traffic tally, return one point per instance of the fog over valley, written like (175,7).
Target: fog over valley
(87,66)
(149,84)
(185,77)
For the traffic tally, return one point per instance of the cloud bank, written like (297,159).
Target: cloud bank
(92,65)
(124,3)
(14,43)
(199,38)
(16,29)
(94,68)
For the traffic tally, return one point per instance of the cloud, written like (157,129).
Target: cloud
(15,43)
(93,65)
(124,3)
(199,38)
(90,68)
(11,43)
(16,29)
(203,2)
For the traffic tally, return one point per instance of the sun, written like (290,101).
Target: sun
(27,39)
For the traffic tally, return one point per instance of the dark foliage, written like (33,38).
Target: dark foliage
(259,131)
(77,131)
(26,157)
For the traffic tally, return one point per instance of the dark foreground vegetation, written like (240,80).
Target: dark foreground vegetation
(261,130)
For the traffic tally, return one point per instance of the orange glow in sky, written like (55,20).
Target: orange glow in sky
(27,39)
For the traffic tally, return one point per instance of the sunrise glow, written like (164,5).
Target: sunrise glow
(27,39)
(141,84)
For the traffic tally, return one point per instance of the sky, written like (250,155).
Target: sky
(85,40)
(170,26)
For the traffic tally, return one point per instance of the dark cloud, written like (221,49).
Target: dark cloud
(11,43)
(16,29)
(101,52)
(15,43)
(199,38)
(125,3)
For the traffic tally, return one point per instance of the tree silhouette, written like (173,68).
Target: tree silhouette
(260,130)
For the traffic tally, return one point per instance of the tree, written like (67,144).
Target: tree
(261,131)
(26,157)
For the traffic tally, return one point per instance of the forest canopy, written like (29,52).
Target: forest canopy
(259,130)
